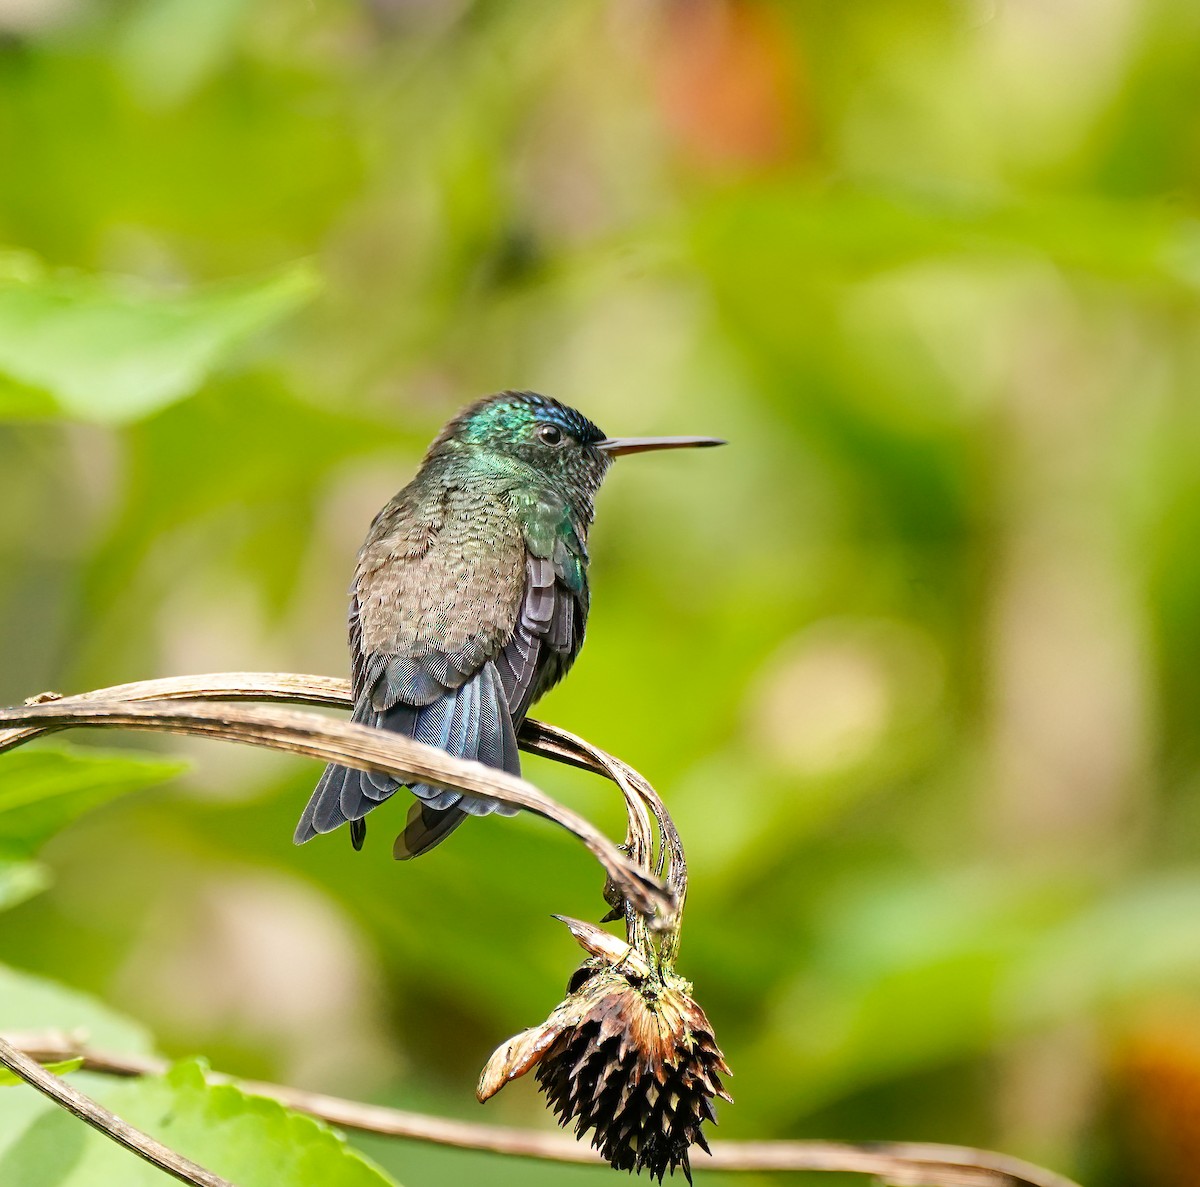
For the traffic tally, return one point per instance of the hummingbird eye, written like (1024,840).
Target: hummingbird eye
(550,434)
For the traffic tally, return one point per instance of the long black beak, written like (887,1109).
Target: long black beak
(617,446)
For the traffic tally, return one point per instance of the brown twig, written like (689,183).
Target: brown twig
(70,1098)
(353,745)
(902,1164)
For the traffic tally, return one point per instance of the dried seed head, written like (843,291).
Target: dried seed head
(629,1056)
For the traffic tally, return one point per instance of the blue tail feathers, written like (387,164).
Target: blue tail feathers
(472,721)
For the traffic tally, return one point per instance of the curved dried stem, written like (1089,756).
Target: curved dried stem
(671,854)
(641,803)
(536,737)
(902,1164)
(549,741)
(352,745)
(640,798)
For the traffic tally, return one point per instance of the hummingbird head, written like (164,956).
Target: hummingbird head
(532,434)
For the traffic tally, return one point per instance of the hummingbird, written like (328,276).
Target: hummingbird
(469,601)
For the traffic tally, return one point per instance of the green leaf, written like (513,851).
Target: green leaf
(59,1068)
(111,351)
(43,790)
(249,1140)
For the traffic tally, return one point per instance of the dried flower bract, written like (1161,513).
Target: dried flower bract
(628,1055)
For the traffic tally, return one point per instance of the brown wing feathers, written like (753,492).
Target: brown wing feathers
(455,629)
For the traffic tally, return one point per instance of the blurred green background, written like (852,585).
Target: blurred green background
(916,660)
